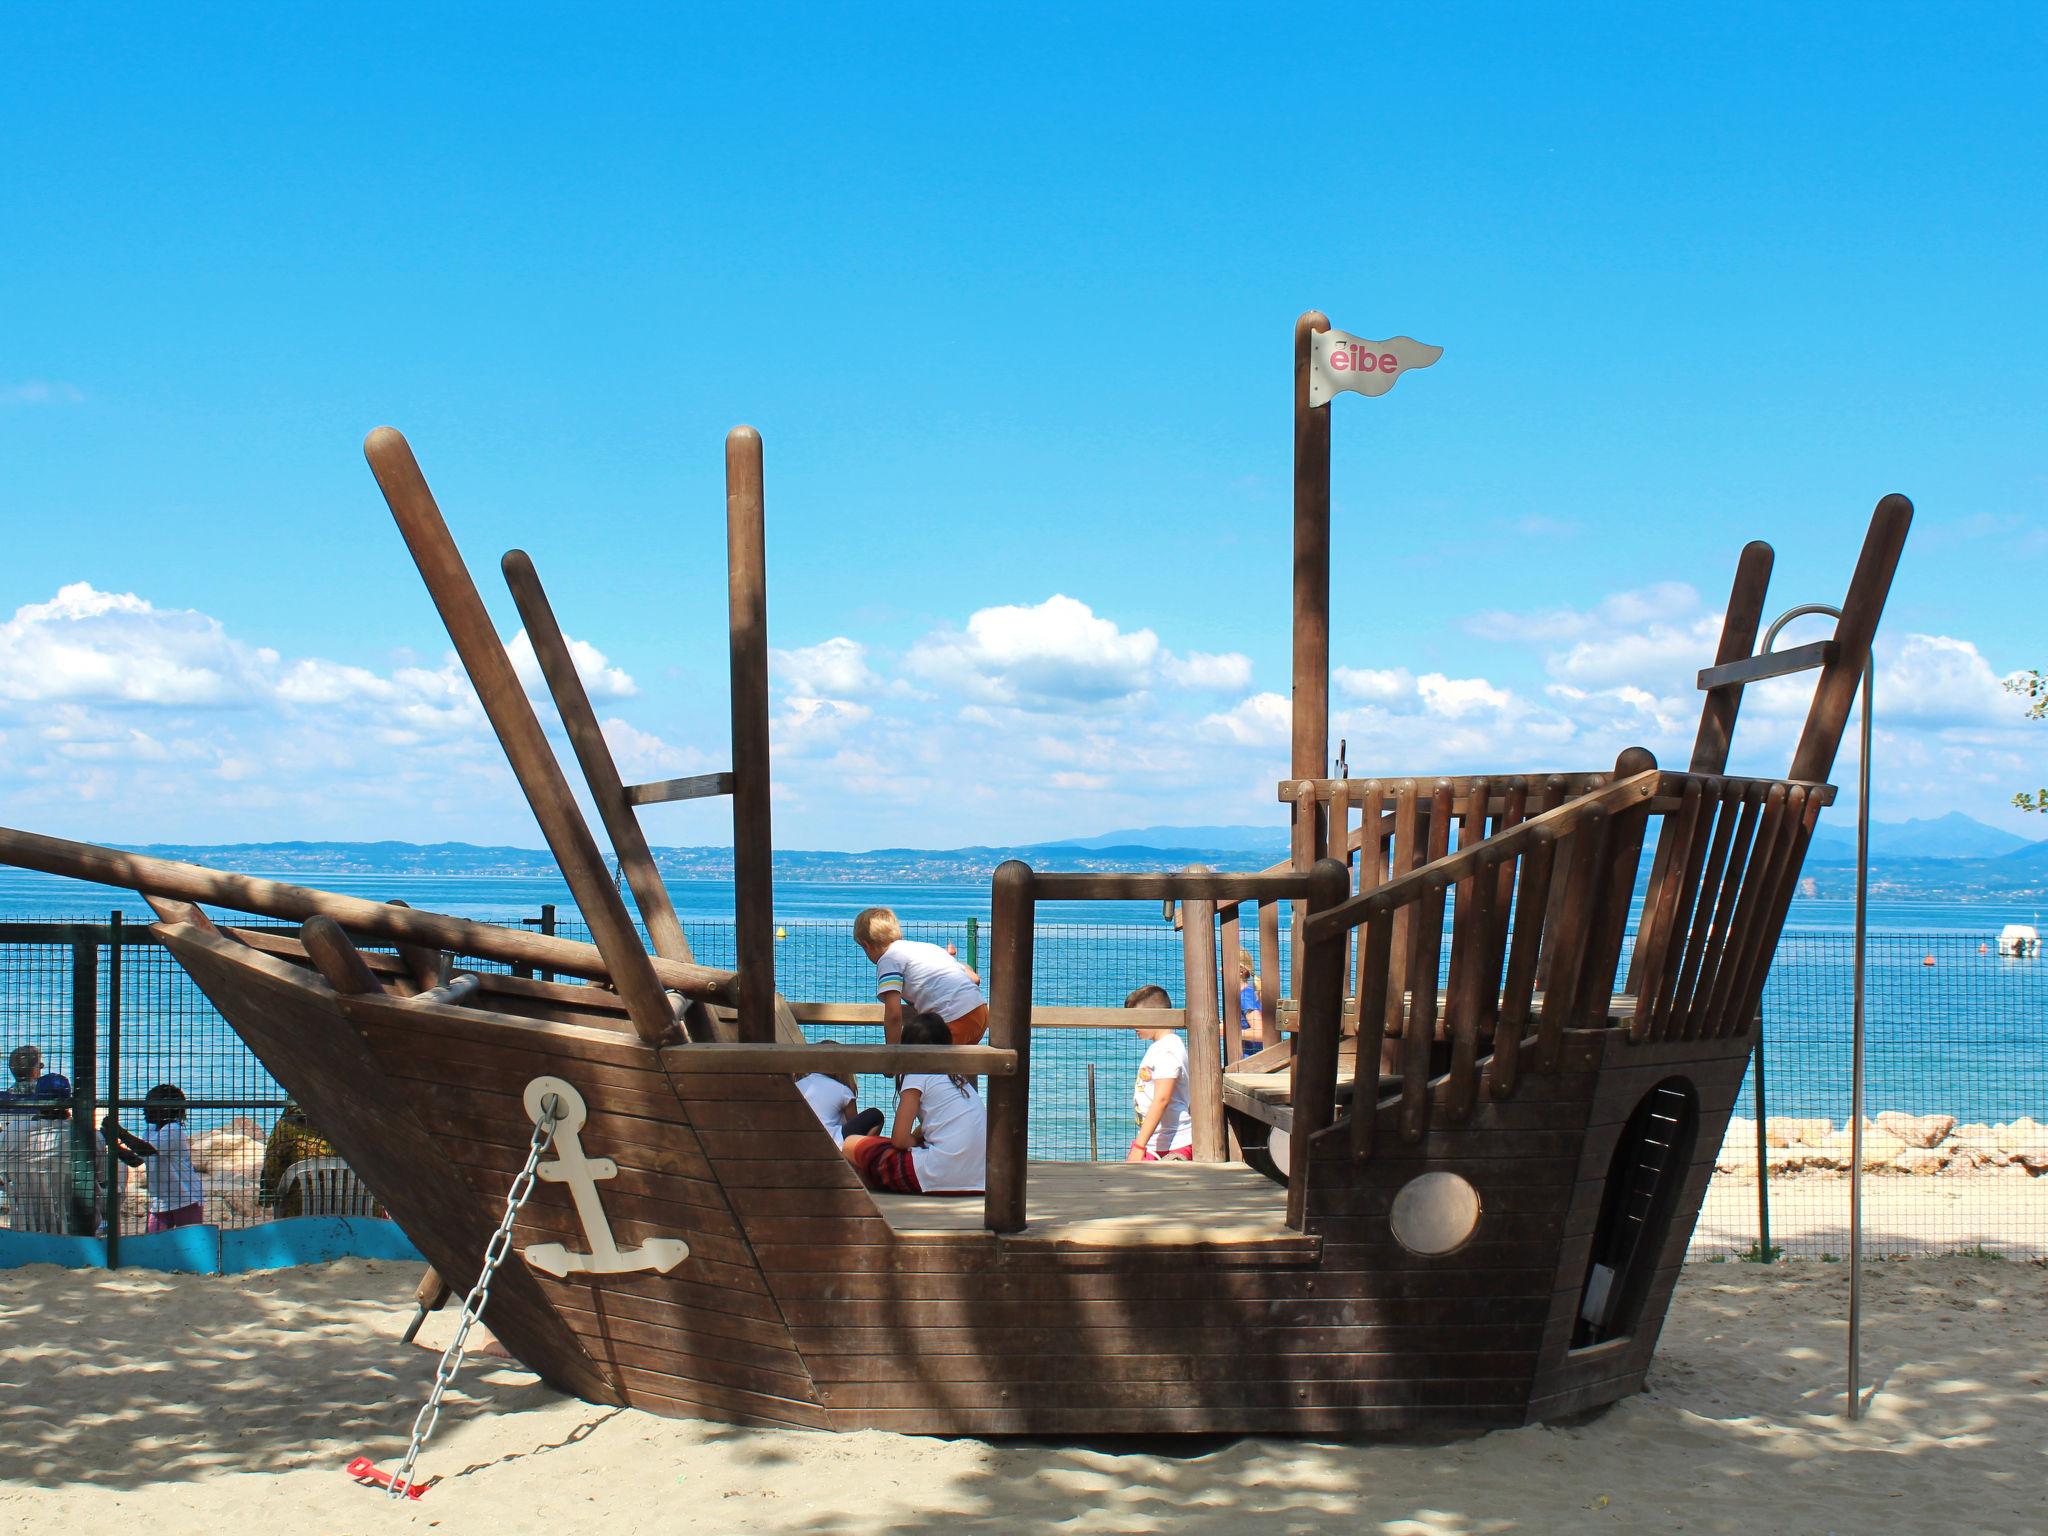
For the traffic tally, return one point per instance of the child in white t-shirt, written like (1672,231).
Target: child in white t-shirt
(939,1144)
(177,1195)
(913,977)
(1166,1131)
(831,1098)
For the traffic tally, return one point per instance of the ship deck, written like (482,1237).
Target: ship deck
(1111,1204)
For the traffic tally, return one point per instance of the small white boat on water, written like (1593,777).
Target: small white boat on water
(2019,941)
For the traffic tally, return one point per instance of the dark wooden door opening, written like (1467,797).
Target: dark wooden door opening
(1643,1179)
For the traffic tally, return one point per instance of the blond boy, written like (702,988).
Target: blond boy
(914,977)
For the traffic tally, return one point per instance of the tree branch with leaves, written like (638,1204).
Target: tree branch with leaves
(2032,685)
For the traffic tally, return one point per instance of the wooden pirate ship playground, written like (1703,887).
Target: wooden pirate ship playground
(1456,1196)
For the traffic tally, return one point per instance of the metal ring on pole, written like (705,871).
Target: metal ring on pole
(1855,1381)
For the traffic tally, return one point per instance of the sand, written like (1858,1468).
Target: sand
(229,1406)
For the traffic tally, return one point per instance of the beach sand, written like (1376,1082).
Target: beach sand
(180,1403)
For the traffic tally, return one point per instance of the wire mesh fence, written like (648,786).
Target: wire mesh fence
(1956,1078)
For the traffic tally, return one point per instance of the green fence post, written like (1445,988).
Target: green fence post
(85,1058)
(974,944)
(114,1087)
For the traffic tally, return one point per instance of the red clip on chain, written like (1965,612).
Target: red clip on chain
(365,1471)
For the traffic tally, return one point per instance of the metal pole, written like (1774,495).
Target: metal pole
(1856,1058)
(974,944)
(85,1056)
(547,926)
(1763,1154)
(1093,1155)
(114,1088)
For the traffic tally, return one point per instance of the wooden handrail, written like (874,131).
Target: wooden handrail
(1270,885)
(839,1056)
(373,919)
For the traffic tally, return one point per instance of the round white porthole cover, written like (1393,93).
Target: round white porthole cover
(1435,1213)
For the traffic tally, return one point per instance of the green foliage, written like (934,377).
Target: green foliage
(1759,1254)
(2032,685)
(1979,1251)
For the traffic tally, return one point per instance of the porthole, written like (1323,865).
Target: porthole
(1435,1213)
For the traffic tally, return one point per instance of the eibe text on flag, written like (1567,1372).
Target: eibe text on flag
(1338,361)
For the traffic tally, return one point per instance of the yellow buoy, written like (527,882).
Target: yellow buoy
(782,933)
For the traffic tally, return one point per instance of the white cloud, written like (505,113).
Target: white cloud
(1205,673)
(1665,601)
(1375,685)
(832,669)
(601,680)
(107,647)
(1263,720)
(1456,697)
(1055,653)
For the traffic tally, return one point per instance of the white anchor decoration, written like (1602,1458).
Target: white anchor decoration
(581,1173)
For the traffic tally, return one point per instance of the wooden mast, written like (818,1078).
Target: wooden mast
(1311,565)
(518,730)
(753,866)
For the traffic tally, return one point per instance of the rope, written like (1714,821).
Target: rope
(479,1296)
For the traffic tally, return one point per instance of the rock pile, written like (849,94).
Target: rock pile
(1893,1142)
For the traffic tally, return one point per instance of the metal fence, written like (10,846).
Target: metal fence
(1957,1063)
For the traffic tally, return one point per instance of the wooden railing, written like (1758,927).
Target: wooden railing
(1542,903)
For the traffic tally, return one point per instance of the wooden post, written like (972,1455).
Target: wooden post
(1230,950)
(1739,625)
(1319,1024)
(1311,565)
(1205,1045)
(1009,994)
(594,756)
(338,959)
(518,730)
(752,836)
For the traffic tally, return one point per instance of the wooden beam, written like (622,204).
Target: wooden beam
(700,786)
(1315,1060)
(1835,694)
(1739,626)
(594,757)
(337,958)
(518,730)
(837,1056)
(1186,886)
(1751,669)
(753,840)
(169,878)
(1311,758)
(1009,996)
(1205,1045)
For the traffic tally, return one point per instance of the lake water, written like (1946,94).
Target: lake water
(1967,1035)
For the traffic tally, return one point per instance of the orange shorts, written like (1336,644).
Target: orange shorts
(970,1026)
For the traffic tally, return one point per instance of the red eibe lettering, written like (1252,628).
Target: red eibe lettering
(1350,357)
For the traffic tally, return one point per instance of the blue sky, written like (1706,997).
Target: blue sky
(1010,297)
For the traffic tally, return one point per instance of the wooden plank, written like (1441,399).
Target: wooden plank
(1718,911)
(698,786)
(1269,974)
(1568,933)
(1205,1047)
(594,757)
(1754,669)
(1220,1372)
(1469,990)
(1375,952)
(1186,886)
(1322,1003)
(1624,854)
(836,1056)
(1311,625)
(1659,930)
(1757,894)
(1406,854)
(1306,832)
(1426,948)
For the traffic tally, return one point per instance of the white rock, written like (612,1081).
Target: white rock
(1917,1130)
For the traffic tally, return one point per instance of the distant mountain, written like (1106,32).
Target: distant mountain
(1954,836)
(1268,840)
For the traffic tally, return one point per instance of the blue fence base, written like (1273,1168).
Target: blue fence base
(212,1251)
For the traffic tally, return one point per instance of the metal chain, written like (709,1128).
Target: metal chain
(479,1296)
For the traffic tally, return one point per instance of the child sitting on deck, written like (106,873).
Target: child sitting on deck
(914,977)
(831,1097)
(34,1163)
(177,1197)
(1166,1132)
(939,1145)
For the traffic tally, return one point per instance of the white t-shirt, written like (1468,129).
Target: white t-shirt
(173,1182)
(1165,1057)
(954,1120)
(829,1099)
(930,980)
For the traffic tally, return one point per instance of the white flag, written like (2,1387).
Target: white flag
(1338,361)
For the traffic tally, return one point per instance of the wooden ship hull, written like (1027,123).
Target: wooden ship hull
(1455,1195)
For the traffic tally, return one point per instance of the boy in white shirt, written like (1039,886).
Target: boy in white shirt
(913,977)
(1166,1131)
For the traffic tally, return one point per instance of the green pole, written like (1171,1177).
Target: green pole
(974,944)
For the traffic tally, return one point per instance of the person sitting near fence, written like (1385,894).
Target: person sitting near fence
(1166,1131)
(34,1161)
(25,1064)
(177,1195)
(914,977)
(1249,1008)
(939,1145)
(831,1097)
(293,1139)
